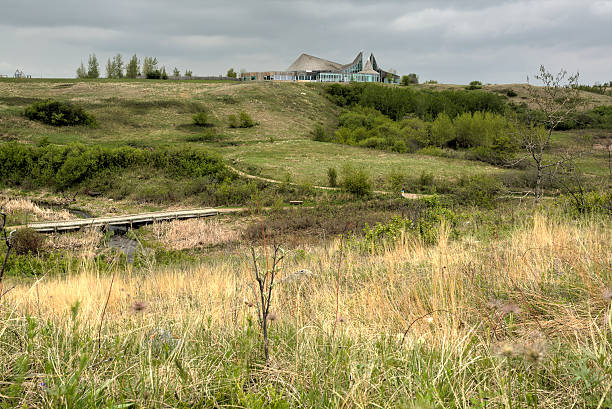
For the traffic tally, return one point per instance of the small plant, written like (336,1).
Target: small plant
(319,134)
(201,119)
(232,121)
(356,181)
(27,240)
(474,85)
(511,93)
(245,120)
(332,176)
(264,278)
(58,113)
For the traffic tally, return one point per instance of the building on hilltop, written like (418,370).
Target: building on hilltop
(310,68)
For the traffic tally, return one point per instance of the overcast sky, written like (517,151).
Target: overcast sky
(448,41)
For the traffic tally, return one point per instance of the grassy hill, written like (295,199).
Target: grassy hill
(151,113)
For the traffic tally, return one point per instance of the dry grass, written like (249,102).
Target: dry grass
(531,269)
(188,234)
(13,206)
(483,323)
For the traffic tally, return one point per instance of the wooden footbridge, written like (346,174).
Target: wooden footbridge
(126,222)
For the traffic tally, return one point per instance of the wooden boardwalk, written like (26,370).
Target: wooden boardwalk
(127,221)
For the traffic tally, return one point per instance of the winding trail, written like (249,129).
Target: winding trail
(263,179)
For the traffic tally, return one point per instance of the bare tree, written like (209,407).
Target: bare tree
(264,277)
(7,240)
(558,98)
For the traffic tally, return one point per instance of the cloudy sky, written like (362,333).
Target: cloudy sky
(448,41)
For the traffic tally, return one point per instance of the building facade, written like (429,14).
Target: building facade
(315,69)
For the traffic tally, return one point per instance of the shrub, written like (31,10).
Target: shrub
(64,167)
(474,85)
(200,119)
(511,93)
(27,240)
(319,134)
(245,120)
(332,176)
(154,75)
(356,181)
(58,113)
(478,190)
(232,121)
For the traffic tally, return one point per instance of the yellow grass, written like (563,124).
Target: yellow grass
(188,234)
(12,206)
(379,293)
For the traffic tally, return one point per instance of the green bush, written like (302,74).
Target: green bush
(478,190)
(332,176)
(319,134)
(356,181)
(232,121)
(64,167)
(474,85)
(58,113)
(27,240)
(511,93)
(399,102)
(200,119)
(245,120)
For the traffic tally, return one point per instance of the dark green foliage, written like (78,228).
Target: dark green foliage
(26,241)
(231,73)
(242,120)
(64,167)
(409,79)
(319,134)
(356,181)
(332,176)
(478,190)
(200,119)
(154,75)
(474,85)
(397,103)
(58,113)
(511,93)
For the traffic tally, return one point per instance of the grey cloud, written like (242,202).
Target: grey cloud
(450,41)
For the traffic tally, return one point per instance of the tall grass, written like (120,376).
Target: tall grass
(518,321)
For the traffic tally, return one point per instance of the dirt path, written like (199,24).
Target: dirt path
(263,179)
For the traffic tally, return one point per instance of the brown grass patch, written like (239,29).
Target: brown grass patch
(187,234)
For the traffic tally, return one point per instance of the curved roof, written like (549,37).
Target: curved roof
(367,69)
(307,62)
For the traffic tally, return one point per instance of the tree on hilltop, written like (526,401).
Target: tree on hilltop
(93,68)
(132,69)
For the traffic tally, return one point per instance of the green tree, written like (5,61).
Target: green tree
(176,72)
(409,79)
(163,73)
(231,73)
(109,68)
(132,68)
(81,72)
(188,73)
(149,66)
(118,66)
(442,130)
(93,67)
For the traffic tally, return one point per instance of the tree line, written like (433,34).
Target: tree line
(117,68)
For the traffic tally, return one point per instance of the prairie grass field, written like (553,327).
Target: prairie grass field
(518,320)
(344,269)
